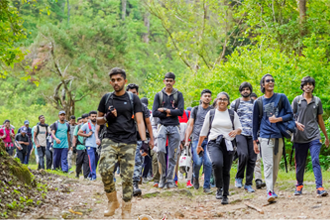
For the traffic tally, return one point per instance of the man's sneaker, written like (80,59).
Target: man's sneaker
(238,183)
(207,190)
(189,185)
(298,190)
(145,180)
(219,193)
(196,183)
(249,189)
(155,185)
(170,185)
(224,200)
(321,192)
(161,184)
(260,184)
(270,197)
(275,195)
(136,190)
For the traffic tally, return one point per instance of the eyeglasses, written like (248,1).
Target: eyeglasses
(270,80)
(223,100)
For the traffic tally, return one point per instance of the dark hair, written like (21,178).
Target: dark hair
(145,101)
(6,121)
(132,86)
(79,118)
(116,71)
(206,91)
(305,80)
(262,82)
(40,116)
(254,95)
(92,113)
(84,116)
(72,117)
(244,85)
(218,96)
(170,75)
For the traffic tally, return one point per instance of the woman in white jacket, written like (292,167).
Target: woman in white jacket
(221,125)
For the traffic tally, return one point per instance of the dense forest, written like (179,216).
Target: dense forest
(55,54)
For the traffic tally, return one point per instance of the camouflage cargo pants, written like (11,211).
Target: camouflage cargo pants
(112,153)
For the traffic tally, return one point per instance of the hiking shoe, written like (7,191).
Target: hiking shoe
(145,180)
(298,190)
(176,183)
(207,190)
(270,197)
(189,185)
(275,195)
(170,185)
(260,184)
(136,190)
(196,183)
(321,192)
(219,193)
(249,189)
(161,184)
(238,182)
(155,185)
(224,200)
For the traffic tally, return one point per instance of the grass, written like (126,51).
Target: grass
(57,172)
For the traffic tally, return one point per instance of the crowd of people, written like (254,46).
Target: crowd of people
(143,145)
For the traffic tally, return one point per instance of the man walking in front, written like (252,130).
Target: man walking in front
(246,156)
(119,111)
(195,126)
(168,105)
(61,135)
(40,135)
(308,111)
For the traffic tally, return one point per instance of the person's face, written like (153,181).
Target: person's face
(118,82)
(72,121)
(27,125)
(308,87)
(61,117)
(85,120)
(42,120)
(7,124)
(23,133)
(246,92)
(222,102)
(206,98)
(169,82)
(93,118)
(79,121)
(133,91)
(269,83)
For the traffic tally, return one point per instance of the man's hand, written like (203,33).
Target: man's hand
(186,144)
(233,133)
(199,149)
(181,146)
(256,147)
(273,119)
(57,141)
(12,135)
(38,146)
(151,144)
(160,109)
(114,112)
(98,141)
(300,126)
(70,149)
(326,142)
(90,133)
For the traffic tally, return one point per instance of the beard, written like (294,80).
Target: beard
(206,103)
(93,120)
(118,89)
(246,95)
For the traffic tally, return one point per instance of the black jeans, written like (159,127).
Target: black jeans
(221,162)
(82,161)
(41,154)
(246,158)
(49,157)
(21,154)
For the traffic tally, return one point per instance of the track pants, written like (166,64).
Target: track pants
(82,162)
(61,159)
(93,158)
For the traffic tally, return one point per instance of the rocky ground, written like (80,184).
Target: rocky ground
(71,198)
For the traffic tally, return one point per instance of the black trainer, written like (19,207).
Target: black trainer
(196,183)
(224,200)
(136,190)
(219,193)
(260,184)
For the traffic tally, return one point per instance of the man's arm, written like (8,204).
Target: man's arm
(141,126)
(155,107)
(149,127)
(255,121)
(100,118)
(180,109)
(69,140)
(35,138)
(82,129)
(322,126)
(189,130)
(97,130)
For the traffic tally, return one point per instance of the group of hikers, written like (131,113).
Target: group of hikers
(125,135)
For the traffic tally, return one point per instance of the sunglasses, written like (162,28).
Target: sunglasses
(269,80)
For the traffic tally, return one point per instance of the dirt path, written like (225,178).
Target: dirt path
(89,199)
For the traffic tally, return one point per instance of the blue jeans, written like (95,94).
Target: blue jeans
(301,152)
(198,161)
(93,158)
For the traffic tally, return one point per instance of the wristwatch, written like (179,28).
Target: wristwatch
(144,142)
(105,118)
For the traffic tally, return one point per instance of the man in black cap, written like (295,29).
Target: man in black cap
(22,143)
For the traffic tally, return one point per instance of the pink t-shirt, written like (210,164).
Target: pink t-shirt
(7,139)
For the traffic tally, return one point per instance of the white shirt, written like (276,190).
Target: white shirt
(221,125)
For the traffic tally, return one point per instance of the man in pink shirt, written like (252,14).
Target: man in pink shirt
(7,134)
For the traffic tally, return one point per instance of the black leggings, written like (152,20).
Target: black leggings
(221,162)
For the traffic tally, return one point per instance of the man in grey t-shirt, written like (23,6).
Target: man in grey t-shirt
(195,125)
(308,111)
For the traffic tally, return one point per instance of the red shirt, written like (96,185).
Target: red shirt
(185,117)
(7,139)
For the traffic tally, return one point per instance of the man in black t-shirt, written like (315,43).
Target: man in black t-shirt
(117,111)
(22,143)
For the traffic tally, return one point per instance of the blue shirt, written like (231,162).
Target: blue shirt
(270,108)
(90,141)
(62,134)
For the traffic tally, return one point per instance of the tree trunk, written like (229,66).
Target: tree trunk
(68,6)
(302,15)
(147,25)
(123,10)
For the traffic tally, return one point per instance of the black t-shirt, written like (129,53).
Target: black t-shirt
(123,129)
(19,137)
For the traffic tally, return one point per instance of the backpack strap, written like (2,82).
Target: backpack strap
(261,108)
(37,130)
(212,113)
(132,103)
(161,99)
(109,95)
(89,126)
(237,102)
(232,117)
(195,111)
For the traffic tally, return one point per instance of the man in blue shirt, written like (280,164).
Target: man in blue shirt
(88,131)
(61,135)
(270,136)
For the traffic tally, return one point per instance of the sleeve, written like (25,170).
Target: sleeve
(1,132)
(137,104)
(146,111)
(102,107)
(232,105)
(155,107)
(180,110)
(84,128)
(52,127)
(75,133)
(16,137)
(294,107)
(206,125)
(193,111)
(320,108)
(255,121)
(288,110)
(69,127)
(19,131)
(34,130)
(237,123)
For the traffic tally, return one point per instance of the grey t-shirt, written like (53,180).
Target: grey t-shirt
(307,116)
(72,127)
(198,124)
(245,113)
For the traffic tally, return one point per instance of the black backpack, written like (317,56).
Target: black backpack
(161,98)
(231,115)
